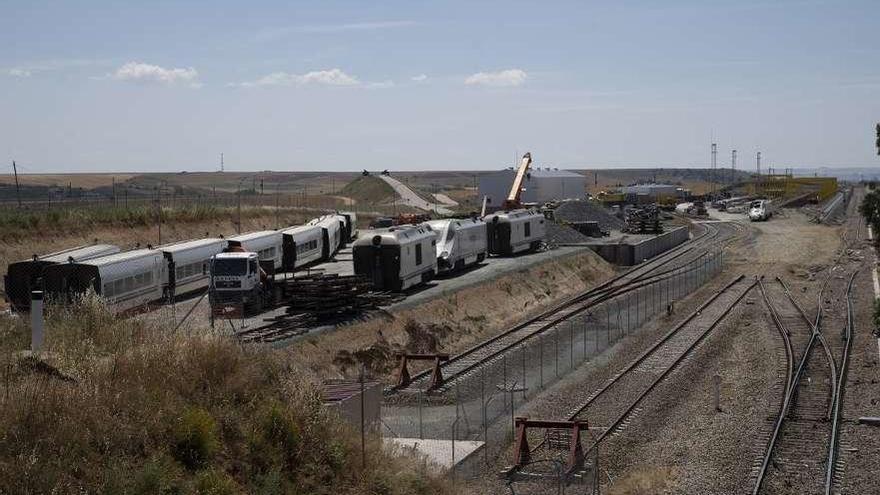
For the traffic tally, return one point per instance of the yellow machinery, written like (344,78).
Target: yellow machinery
(786,186)
(611,198)
(513,198)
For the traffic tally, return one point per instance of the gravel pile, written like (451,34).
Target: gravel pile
(562,234)
(586,211)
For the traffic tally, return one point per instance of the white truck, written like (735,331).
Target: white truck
(240,283)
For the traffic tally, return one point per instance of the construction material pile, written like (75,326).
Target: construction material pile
(586,211)
(563,234)
(644,220)
(324,297)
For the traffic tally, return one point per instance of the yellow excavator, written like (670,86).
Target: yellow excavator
(513,198)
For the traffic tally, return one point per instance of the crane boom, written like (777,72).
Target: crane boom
(513,198)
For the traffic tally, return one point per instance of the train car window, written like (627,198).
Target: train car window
(204,268)
(118,286)
(148,278)
(418,254)
(528,227)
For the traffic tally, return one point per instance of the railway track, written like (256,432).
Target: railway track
(618,401)
(802,453)
(641,276)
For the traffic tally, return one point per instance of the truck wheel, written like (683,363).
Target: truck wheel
(481,257)
(459,265)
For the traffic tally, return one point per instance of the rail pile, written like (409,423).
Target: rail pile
(644,220)
(328,296)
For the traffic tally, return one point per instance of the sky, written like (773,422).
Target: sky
(417,85)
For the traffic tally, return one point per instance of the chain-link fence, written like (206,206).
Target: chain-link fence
(467,426)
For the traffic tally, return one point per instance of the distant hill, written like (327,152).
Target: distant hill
(368,189)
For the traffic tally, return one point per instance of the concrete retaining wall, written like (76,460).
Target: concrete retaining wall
(631,254)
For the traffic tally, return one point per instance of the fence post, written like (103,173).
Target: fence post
(556,346)
(363,432)
(570,344)
(484,415)
(421,399)
(37,321)
(584,320)
(541,359)
(523,353)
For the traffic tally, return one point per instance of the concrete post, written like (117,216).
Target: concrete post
(37,321)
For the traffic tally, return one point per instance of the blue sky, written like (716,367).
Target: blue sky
(150,86)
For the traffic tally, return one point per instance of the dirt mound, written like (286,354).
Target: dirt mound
(368,189)
(562,234)
(586,211)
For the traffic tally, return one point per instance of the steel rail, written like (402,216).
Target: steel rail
(836,419)
(670,368)
(601,292)
(832,364)
(637,361)
(786,338)
(587,304)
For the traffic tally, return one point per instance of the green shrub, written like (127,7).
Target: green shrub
(215,482)
(157,477)
(194,438)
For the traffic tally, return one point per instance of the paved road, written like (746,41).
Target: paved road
(412,199)
(446,200)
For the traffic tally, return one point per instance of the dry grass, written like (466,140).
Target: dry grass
(86,181)
(450,323)
(130,408)
(644,481)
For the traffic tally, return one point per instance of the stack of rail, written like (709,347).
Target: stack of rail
(327,296)
(643,220)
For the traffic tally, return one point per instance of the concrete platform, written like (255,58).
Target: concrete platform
(438,453)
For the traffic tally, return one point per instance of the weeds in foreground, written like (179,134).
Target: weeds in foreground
(136,409)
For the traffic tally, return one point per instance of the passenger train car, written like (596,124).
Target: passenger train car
(515,231)
(189,264)
(351,230)
(396,258)
(332,234)
(460,242)
(303,246)
(268,244)
(22,277)
(126,280)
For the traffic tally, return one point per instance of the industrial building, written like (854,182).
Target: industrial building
(540,185)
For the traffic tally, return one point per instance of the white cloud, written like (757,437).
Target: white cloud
(420,78)
(331,77)
(380,84)
(17,72)
(504,78)
(137,71)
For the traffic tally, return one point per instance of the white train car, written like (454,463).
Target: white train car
(303,246)
(189,264)
(351,230)
(332,234)
(22,277)
(515,231)
(460,242)
(396,258)
(126,280)
(268,244)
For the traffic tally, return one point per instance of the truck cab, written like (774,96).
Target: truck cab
(236,280)
(759,210)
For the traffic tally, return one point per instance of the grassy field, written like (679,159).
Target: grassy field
(121,406)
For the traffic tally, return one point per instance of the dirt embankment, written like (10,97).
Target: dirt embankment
(450,323)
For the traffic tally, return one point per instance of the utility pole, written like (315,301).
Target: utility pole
(714,167)
(733,166)
(17,186)
(221,162)
(759,163)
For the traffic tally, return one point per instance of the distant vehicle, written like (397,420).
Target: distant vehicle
(760,210)
(22,277)
(396,258)
(516,231)
(460,242)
